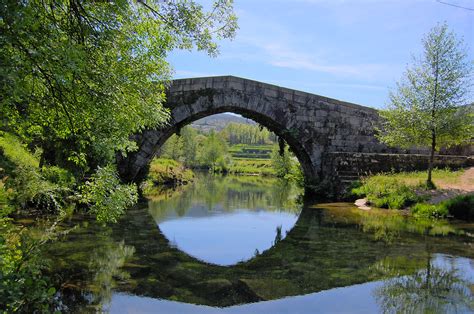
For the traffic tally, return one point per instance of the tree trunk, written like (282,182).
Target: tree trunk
(429,181)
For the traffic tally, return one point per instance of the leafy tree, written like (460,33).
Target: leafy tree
(425,110)
(281,162)
(182,147)
(240,133)
(106,196)
(173,148)
(77,78)
(190,145)
(214,151)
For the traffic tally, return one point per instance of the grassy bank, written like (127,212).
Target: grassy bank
(168,172)
(251,167)
(247,151)
(408,190)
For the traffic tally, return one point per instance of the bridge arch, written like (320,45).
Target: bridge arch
(312,125)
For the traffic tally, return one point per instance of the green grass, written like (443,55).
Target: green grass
(168,171)
(251,166)
(399,190)
(461,207)
(13,153)
(387,191)
(414,178)
(246,151)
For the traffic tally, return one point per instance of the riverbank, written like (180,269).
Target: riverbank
(168,172)
(454,195)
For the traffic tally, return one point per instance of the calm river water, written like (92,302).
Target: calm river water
(248,245)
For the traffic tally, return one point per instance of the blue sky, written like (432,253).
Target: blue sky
(349,50)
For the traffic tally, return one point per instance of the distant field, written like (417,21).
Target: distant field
(244,151)
(251,166)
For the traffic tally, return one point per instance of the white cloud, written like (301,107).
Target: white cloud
(280,55)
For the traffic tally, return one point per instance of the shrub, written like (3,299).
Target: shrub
(461,206)
(386,192)
(23,286)
(429,210)
(30,189)
(59,176)
(106,197)
(13,150)
(165,171)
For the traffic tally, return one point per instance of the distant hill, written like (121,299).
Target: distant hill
(218,121)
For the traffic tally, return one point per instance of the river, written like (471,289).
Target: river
(230,244)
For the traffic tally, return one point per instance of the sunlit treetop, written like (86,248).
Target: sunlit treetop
(77,78)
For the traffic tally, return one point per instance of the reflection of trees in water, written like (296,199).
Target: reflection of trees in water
(89,271)
(227,193)
(322,251)
(428,289)
(105,264)
(388,225)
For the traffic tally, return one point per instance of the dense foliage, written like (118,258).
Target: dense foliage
(425,110)
(239,133)
(461,207)
(106,197)
(238,148)
(167,172)
(79,77)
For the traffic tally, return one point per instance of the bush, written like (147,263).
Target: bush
(30,189)
(45,190)
(386,192)
(429,210)
(58,176)
(461,206)
(23,286)
(106,197)
(165,171)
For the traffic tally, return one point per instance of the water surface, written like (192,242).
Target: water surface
(246,245)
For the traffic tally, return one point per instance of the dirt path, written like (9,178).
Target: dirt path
(466,182)
(445,191)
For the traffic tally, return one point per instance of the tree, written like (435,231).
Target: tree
(77,78)
(189,134)
(426,108)
(173,148)
(281,161)
(214,151)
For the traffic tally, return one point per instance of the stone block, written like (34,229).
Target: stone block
(268,92)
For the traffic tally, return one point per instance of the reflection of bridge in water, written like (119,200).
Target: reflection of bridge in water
(325,249)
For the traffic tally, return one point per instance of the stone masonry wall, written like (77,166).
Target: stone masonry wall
(348,167)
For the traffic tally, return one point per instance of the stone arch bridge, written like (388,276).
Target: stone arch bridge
(325,134)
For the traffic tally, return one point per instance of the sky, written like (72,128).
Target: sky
(353,51)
